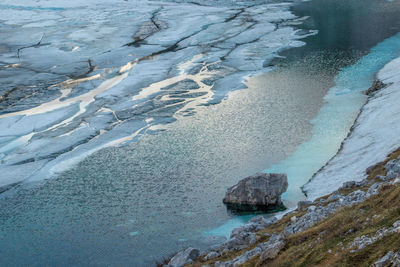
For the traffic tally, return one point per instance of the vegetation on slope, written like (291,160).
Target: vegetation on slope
(328,243)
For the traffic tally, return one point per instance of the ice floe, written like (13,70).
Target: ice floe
(82,76)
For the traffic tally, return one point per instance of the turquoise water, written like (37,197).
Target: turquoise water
(333,122)
(226,229)
(342,103)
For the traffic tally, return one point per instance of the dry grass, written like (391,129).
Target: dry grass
(326,244)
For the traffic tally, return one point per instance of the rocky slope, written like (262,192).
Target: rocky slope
(357,225)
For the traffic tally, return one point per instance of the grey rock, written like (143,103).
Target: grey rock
(393,165)
(382,177)
(239,241)
(310,218)
(318,213)
(390,259)
(393,169)
(243,236)
(257,223)
(396,227)
(271,245)
(246,256)
(355,197)
(273,250)
(353,184)
(374,189)
(260,191)
(311,208)
(361,242)
(376,86)
(184,257)
(211,255)
(385,260)
(263,221)
(391,174)
(302,205)
(225,251)
(348,185)
(334,196)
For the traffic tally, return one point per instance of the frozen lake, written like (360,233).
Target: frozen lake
(133,109)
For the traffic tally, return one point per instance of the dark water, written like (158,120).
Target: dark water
(131,206)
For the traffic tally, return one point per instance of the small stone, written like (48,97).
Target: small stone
(348,185)
(184,257)
(334,196)
(385,260)
(211,255)
(396,224)
(302,205)
(381,177)
(272,251)
(263,222)
(311,208)
(393,165)
(293,219)
(374,189)
(391,174)
(376,86)
(350,231)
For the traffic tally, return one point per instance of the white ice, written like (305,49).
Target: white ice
(99,74)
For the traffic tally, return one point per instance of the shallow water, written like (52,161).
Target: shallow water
(135,204)
(344,100)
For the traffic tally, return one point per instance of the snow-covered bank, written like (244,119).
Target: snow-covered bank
(375,134)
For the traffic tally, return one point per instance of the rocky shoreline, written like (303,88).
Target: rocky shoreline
(251,243)
(314,212)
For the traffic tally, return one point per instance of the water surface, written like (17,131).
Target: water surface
(135,204)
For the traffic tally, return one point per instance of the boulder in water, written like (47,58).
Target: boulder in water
(259,192)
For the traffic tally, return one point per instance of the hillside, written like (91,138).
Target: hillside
(355,226)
